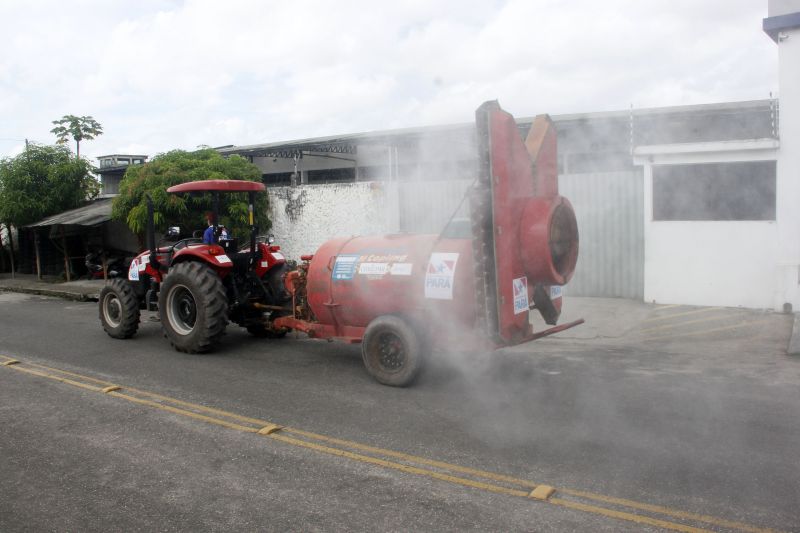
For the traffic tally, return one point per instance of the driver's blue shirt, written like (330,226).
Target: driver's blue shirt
(208,236)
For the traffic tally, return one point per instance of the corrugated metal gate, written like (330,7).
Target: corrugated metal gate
(426,206)
(610,210)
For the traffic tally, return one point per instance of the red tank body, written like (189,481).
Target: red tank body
(352,280)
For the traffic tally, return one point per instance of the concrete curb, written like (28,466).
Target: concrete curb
(794,342)
(78,297)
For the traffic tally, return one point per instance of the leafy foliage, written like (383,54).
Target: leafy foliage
(78,128)
(43,181)
(187,210)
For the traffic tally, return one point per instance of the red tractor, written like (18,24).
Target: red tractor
(197,288)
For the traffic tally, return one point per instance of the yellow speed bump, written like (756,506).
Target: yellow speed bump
(11,362)
(110,388)
(542,492)
(270,429)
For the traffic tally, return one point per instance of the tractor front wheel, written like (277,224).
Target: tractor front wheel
(193,307)
(392,351)
(119,309)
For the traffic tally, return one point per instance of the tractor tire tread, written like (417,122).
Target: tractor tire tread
(129,321)
(212,299)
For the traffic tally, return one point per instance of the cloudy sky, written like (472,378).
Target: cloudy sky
(162,74)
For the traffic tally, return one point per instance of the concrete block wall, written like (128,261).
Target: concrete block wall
(306,216)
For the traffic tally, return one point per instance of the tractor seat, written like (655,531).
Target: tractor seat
(231,246)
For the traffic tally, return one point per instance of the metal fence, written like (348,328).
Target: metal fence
(610,211)
(425,207)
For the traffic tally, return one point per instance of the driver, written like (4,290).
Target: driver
(208,235)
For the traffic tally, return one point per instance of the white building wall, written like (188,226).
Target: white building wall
(306,216)
(751,264)
(711,263)
(724,263)
(788,207)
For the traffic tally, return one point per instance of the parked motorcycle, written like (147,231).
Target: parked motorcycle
(116,266)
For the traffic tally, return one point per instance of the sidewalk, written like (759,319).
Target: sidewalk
(605,317)
(610,320)
(81,290)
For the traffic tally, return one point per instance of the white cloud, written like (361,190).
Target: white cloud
(163,74)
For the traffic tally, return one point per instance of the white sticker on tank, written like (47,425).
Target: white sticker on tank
(264,264)
(223,259)
(344,267)
(556,291)
(133,271)
(401,269)
(373,269)
(520,295)
(440,275)
(278,256)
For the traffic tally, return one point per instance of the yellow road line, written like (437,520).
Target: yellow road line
(686,313)
(397,466)
(19,368)
(164,398)
(667,511)
(639,519)
(499,477)
(184,412)
(260,423)
(707,331)
(684,323)
(73,374)
(413,458)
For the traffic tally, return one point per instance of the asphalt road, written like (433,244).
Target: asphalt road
(706,429)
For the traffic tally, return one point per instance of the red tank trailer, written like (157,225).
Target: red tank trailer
(404,295)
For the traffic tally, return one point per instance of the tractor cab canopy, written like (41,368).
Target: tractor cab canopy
(218,185)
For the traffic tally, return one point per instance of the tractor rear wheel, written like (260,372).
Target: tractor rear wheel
(392,351)
(193,307)
(119,309)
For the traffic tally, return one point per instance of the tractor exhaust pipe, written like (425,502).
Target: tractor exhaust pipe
(251,199)
(151,233)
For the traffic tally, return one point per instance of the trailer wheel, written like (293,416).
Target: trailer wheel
(193,307)
(392,351)
(119,309)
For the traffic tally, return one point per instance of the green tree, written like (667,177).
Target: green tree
(77,128)
(187,210)
(42,181)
